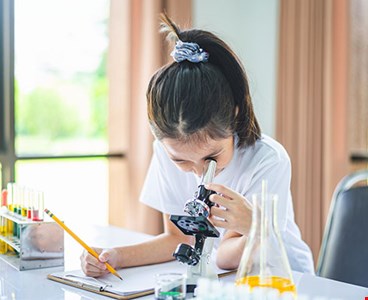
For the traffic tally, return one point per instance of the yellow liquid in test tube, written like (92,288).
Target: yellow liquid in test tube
(3,220)
(10,228)
(3,232)
(10,223)
(275,282)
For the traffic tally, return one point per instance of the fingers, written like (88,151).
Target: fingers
(222,190)
(229,204)
(220,200)
(91,266)
(219,222)
(104,256)
(218,212)
(227,198)
(232,211)
(224,217)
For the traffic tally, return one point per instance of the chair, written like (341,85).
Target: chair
(344,251)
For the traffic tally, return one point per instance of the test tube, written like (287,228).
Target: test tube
(4,198)
(24,204)
(20,206)
(38,206)
(10,188)
(3,232)
(10,223)
(3,222)
(15,207)
(19,196)
(10,197)
(31,195)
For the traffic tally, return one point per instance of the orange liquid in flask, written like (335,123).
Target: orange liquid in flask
(275,282)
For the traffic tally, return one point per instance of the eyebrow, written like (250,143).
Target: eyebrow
(214,153)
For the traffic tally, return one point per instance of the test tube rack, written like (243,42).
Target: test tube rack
(37,244)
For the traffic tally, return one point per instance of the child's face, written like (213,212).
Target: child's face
(190,157)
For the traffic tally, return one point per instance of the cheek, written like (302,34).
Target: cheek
(183,167)
(223,161)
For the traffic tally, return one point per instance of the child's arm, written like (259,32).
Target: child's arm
(234,213)
(159,249)
(230,250)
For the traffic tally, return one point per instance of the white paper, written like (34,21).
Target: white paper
(135,280)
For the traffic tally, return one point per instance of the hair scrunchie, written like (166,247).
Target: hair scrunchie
(190,52)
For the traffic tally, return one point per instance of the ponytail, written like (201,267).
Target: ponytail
(209,96)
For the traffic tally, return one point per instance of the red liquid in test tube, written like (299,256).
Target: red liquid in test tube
(38,206)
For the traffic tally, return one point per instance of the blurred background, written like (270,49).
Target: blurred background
(73,76)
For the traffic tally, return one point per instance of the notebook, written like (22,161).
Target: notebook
(137,281)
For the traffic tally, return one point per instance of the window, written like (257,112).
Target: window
(60,77)
(58,101)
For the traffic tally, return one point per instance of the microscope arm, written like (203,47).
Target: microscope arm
(199,243)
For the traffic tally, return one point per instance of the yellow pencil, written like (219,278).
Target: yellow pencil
(84,245)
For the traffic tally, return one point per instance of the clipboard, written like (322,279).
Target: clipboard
(138,281)
(98,289)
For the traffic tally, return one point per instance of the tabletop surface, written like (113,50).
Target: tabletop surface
(33,284)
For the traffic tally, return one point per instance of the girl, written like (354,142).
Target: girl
(199,107)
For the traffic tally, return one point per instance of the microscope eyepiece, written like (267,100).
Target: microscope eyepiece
(200,205)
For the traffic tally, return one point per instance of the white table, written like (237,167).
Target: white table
(33,284)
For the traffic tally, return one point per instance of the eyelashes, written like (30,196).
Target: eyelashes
(177,161)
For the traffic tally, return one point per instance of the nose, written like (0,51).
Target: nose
(198,169)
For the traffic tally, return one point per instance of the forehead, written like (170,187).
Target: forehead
(188,149)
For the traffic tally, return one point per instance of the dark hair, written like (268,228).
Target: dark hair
(189,101)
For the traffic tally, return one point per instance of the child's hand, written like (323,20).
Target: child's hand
(94,267)
(234,213)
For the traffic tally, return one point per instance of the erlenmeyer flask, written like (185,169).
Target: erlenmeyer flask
(264,262)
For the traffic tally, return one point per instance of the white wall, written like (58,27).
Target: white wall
(250,27)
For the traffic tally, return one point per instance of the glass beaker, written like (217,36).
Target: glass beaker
(264,263)
(170,286)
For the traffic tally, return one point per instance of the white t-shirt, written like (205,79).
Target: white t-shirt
(167,188)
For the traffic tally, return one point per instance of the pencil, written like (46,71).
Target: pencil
(84,245)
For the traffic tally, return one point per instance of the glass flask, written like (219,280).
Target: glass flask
(264,263)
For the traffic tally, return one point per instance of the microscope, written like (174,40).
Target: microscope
(198,258)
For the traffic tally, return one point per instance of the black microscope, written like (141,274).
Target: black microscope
(198,258)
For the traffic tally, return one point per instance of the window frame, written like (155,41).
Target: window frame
(7,150)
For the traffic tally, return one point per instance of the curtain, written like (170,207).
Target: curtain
(136,50)
(358,81)
(311,106)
